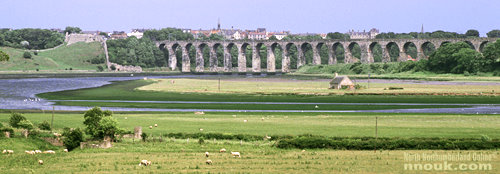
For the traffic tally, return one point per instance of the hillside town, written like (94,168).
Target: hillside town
(228,34)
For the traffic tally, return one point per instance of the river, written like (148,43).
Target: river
(20,94)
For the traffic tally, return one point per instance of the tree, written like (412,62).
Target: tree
(108,126)
(491,55)
(15,118)
(273,37)
(72,138)
(493,33)
(45,125)
(71,30)
(472,33)
(27,55)
(454,58)
(216,37)
(4,56)
(337,35)
(92,119)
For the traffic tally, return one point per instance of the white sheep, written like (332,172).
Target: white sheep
(222,150)
(201,129)
(7,151)
(262,118)
(316,106)
(30,152)
(156,125)
(38,151)
(150,127)
(245,121)
(40,162)
(209,162)
(236,154)
(303,151)
(199,113)
(65,150)
(49,152)
(206,154)
(145,163)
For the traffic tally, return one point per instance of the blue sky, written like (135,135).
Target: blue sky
(313,16)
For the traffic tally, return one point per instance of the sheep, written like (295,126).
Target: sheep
(66,150)
(209,162)
(199,113)
(150,127)
(245,121)
(236,154)
(7,151)
(49,152)
(30,152)
(40,162)
(38,151)
(316,106)
(57,134)
(201,129)
(222,150)
(156,125)
(303,151)
(145,163)
(206,154)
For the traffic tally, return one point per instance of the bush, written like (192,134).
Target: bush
(70,68)
(15,118)
(27,55)
(73,138)
(113,67)
(1,125)
(45,125)
(25,124)
(35,53)
(144,136)
(100,68)
(395,88)
(201,140)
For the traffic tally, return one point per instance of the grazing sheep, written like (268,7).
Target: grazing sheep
(125,118)
(267,137)
(236,154)
(222,150)
(30,152)
(145,163)
(156,125)
(199,113)
(209,162)
(303,151)
(316,106)
(201,129)
(7,151)
(206,154)
(38,151)
(65,150)
(40,162)
(49,152)
(150,127)
(57,134)
(262,118)
(245,121)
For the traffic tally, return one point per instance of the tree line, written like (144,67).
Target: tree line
(30,38)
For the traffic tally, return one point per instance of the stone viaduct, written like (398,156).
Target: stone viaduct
(365,45)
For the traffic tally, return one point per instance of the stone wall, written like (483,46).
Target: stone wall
(74,38)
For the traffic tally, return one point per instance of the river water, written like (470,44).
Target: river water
(20,94)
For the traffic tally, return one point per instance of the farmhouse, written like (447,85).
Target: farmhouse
(340,82)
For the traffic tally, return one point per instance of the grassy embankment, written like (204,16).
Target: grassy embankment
(178,155)
(74,56)
(244,91)
(390,70)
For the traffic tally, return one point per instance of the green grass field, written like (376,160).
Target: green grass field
(179,155)
(74,56)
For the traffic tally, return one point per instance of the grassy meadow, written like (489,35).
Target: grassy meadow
(74,56)
(182,155)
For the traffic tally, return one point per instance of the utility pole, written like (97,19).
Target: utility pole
(376,133)
(52,121)
(219,83)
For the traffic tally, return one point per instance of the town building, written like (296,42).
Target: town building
(138,33)
(118,35)
(364,35)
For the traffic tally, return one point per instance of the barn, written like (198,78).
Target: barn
(341,82)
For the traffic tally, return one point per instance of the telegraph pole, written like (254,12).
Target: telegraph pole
(376,133)
(52,121)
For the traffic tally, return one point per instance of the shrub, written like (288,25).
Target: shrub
(27,55)
(395,88)
(358,86)
(1,125)
(15,118)
(201,140)
(73,138)
(37,69)
(25,124)
(113,67)
(144,136)
(100,68)
(35,53)
(45,125)
(70,68)
(485,138)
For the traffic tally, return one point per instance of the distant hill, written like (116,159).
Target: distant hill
(76,56)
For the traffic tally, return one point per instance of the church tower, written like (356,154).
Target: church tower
(218,24)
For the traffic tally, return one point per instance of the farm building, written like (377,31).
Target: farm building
(340,82)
